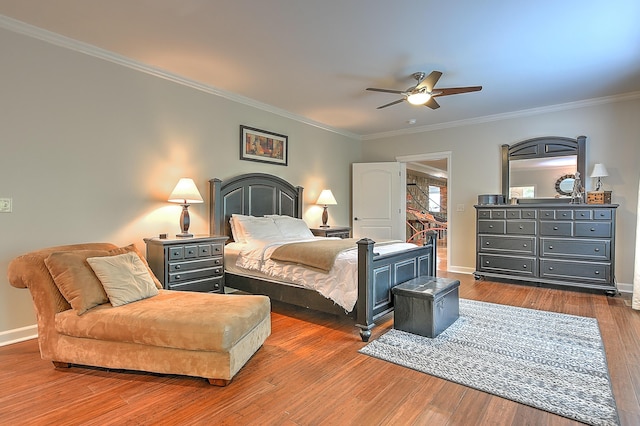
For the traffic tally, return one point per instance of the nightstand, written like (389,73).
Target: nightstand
(188,264)
(333,231)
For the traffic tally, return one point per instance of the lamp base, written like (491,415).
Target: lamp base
(184,235)
(325,226)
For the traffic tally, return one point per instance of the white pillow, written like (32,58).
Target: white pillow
(238,236)
(291,227)
(124,277)
(256,228)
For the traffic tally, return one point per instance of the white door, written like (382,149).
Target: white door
(379,200)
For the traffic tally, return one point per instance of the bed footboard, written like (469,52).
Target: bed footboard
(378,274)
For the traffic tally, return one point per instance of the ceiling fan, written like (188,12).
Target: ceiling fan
(424,92)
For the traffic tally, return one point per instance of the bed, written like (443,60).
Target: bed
(377,270)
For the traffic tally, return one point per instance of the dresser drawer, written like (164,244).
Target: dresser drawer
(587,249)
(556,214)
(603,214)
(515,245)
(593,229)
(521,227)
(195,264)
(524,266)
(195,273)
(204,285)
(491,226)
(559,229)
(521,214)
(575,271)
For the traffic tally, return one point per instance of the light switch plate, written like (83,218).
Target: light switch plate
(5,205)
(460,208)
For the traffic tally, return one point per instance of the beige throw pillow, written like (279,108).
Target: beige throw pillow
(75,279)
(125,278)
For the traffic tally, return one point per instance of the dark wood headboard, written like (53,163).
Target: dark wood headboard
(255,194)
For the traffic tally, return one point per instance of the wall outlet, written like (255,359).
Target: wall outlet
(5,205)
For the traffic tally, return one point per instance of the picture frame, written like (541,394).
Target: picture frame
(263,146)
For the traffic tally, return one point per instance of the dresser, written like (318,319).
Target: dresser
(188,264)
(568,244)
(333,231)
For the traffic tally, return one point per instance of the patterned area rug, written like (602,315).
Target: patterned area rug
(554,362)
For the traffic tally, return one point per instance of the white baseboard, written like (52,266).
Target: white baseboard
(18,335)
(625,288)
(461,270)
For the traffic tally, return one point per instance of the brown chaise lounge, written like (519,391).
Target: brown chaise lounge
(193,334)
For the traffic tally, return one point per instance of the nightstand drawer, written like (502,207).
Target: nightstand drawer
(196,273)
(203,285)
(334,231)
(195,264)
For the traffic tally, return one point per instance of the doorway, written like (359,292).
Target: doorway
(428,188)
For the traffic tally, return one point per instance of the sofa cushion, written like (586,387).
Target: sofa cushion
(76,280)
(124,277)
(173,319)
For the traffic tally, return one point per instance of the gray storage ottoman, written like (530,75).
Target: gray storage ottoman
(426,305)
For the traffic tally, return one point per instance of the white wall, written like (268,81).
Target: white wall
(613,138)
(90,151)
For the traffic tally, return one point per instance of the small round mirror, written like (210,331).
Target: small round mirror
(564,185)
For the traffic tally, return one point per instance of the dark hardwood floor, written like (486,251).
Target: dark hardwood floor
(309,372)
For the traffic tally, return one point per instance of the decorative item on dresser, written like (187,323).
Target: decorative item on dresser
(333,231)
(599,196)
(196,264)
(570,245)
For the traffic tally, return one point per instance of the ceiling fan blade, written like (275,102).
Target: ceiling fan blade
(431,103)
(397,92)
(456,90)
(391,103)
(429,81)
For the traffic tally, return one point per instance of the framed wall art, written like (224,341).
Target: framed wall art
(265,147)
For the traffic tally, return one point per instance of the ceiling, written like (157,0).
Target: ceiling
(312,60)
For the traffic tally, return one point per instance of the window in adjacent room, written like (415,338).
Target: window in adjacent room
(434,199)
(522,192)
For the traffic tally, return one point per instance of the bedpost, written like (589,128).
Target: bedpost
(364,307)
(216,216)
(433,240)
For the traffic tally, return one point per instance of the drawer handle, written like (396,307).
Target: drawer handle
(564,214)
(521,227)
(547,214)
(178,277)
(490,226)
(551,268)
(217,261)
(550,247)
(592,229)
(524,245)
(487,243)
(597,272)
(524,266)
(555,228)
(596,250)
(177,266)
(216,249)
(190,252)
(486,262)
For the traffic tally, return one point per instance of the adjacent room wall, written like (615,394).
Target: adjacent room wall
(90,151)
(612,131)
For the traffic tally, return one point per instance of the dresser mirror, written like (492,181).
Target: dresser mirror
(542,169)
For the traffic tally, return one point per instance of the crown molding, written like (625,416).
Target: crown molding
(507,116)
(88,49)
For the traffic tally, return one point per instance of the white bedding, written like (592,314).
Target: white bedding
(340,284)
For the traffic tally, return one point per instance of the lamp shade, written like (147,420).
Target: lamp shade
(185,192)
(599,170)
(326,198)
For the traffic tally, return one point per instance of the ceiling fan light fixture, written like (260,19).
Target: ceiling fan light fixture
(419,98)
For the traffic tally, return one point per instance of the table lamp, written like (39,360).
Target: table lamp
(185,193)
(326,198)
(599,171)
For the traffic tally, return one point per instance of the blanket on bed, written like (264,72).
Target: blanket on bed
(319,254)
(315,254)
